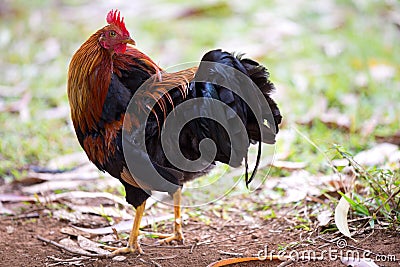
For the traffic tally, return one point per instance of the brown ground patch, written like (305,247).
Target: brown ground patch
(20,247)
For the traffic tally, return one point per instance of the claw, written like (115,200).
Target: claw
(128,249)
(133,243)
(125,250)
(176,236)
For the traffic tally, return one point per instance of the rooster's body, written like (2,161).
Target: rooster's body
(104,77)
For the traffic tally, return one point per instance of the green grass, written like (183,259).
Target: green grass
(313,50)
(381,201)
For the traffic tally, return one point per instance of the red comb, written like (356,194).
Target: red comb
(113,17)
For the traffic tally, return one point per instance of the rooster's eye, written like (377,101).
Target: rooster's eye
(112,33)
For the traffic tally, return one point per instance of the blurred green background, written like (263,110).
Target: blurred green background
(335,58)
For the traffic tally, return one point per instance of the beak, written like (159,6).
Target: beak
(129,40)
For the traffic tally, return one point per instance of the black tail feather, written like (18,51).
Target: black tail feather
(260,77)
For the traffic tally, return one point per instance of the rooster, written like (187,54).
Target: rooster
(112,85)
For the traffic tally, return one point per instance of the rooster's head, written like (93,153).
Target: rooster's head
(115,36)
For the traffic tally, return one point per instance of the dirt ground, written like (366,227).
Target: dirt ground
(206,242)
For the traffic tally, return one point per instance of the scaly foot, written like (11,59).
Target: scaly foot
(128,249)
(176,236)
(133,243)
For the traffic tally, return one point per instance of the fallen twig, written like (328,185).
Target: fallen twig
(208,241)
(156,263)
(164,258)
(67,260)
(101,256)
(115,232)
(287,263)
(223,225)
(230,253)
(193,247)
(143,260)
(166,247)
(23,216)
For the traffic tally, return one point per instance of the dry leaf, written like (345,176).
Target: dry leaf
(102,211)
(119,258)
(73,217)
(297,186)
(89,245)
(10,230)
(331,118)
(53,185)
(377,155)
(333,48)
(38,174)
(302,184)
(382,72)
(59,112)
(97,195)
(357,262)
(20,106)
(361,80)
(4,210)
(335,119)
(16,198)
(370,125)
(393,139)
(341,211)
(65,176)
(107,238)
(206,9)
(74,159)
(67,195)
(73,232)
(324,217)
(126,226)
(72,245)
(315,111)
(12,91)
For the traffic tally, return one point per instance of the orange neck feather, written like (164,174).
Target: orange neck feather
(89,76)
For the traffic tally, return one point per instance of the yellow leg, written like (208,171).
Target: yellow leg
(178,234)
(133,243)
